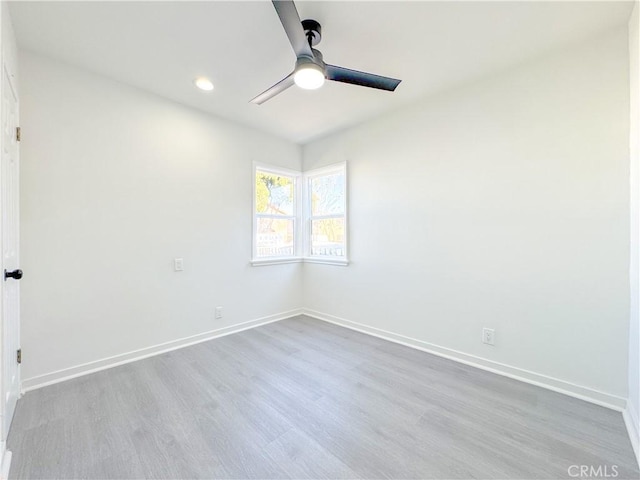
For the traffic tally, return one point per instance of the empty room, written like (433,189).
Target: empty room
(320,239)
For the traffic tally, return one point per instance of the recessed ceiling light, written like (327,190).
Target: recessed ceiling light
(204,84)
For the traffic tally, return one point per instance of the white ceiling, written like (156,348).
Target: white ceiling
(162,46)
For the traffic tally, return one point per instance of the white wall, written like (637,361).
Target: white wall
(633,408)
(505,204)
(115,184)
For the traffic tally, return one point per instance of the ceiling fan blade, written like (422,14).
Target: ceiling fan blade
(293,27)
(271,92)
(346,75)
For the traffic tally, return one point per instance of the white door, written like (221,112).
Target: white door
(10,251)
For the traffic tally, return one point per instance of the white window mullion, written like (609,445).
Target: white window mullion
(325,217)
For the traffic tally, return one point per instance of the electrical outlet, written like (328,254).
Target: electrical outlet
(178,264)
(489,336)
(218,313)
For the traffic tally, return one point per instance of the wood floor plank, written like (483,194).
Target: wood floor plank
(301,398)
(305,458)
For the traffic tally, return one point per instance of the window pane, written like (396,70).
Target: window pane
(327,194)
(274,193)
(327,237)
(274,237)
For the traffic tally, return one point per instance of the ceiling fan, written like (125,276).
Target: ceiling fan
(310,70)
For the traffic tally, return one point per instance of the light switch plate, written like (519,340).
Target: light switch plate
(178,264)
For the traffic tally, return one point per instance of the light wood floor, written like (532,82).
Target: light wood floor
(302,398)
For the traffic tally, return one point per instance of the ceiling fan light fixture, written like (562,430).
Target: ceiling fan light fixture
(309,76)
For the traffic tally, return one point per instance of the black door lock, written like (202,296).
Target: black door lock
(16,274)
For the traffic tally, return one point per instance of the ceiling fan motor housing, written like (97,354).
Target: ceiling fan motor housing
(316,60)
(313,31)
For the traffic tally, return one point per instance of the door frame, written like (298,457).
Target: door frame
(10,333)
(8,63)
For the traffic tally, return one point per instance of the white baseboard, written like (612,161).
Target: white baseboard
(630,417)
(6,464)
(105,363)
(583,393)
(557,385)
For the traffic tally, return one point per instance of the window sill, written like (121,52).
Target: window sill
(275,261)
(327,261)
(282,261)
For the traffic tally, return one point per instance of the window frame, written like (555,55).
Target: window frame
(295,217)
(307,177)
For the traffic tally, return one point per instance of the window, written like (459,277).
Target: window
(293,222)
(325,201)
(276,215)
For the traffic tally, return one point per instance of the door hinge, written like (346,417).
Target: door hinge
(19,356)
(18,134)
